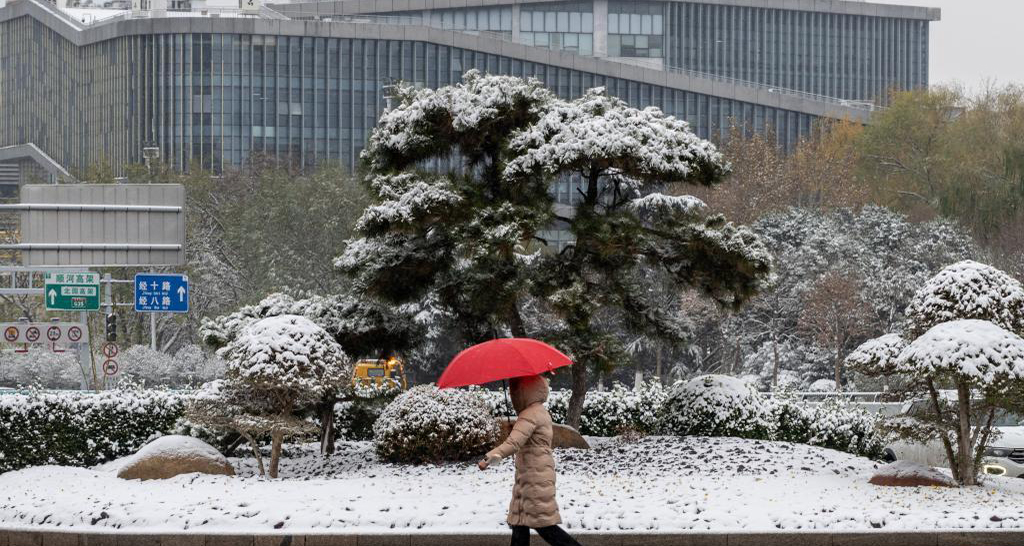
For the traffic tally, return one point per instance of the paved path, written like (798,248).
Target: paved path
(980,538)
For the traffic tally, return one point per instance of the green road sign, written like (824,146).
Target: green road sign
(72,291)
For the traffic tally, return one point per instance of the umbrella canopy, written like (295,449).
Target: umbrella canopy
(499,359)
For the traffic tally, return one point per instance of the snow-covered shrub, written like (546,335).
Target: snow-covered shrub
(81,429)
(791,419)
(42,369)
(840,425)
(189,367)
(429,425)
(716,405)
(835,424)
(605,413)
(968,290)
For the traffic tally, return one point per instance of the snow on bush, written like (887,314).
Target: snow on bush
(287,353)
(81,429)
(42,369)
(605,413)
(976,350)
(968,290)
(189,367)
(877,356)
(716,405)
(822,385)
(429,425)
(835,424)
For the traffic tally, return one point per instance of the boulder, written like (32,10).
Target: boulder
(908,474)
(169,456)
(562,435)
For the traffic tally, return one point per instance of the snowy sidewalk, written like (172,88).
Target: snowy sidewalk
(667,485)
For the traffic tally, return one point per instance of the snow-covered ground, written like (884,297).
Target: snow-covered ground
(666,484)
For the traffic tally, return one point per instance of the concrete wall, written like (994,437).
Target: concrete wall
(814,538)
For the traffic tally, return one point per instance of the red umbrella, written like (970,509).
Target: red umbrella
(499,359)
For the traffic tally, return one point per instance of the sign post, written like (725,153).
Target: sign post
(72,291)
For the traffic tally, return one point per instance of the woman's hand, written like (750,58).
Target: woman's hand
(488,461)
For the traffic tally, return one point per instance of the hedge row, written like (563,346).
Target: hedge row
(80,428)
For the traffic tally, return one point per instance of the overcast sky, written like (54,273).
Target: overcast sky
(976,40)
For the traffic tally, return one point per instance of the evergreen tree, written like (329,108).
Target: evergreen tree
(445,223)
(626,231)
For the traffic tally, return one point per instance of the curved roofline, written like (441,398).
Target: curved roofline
(103,31)
(848,7)
(31,151)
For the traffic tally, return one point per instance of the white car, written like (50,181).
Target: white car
(1003,457)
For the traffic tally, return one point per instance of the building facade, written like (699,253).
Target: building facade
(308,81)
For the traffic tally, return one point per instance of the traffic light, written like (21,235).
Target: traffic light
(111,329)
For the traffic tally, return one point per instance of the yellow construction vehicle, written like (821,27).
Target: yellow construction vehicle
(379,372)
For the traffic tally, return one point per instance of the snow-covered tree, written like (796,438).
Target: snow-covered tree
(982,361)
(627,231)
(968,313)
(888,256)
(968,290)
(288,363)
(444,222)
(362,326)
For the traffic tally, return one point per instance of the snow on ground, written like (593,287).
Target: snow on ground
(666,484)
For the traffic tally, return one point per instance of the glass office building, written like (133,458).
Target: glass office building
(308,81)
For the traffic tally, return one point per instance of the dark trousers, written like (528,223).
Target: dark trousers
(553,535)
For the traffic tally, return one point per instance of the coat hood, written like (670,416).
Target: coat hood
(528,390)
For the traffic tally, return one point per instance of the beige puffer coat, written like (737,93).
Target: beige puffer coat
(533,497)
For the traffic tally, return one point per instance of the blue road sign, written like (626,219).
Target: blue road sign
(161,293)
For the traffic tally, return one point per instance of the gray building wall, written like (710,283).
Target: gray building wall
(213,100)
(213,93)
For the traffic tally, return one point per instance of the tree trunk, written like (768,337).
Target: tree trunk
(276,446)
(839,370)
(327,430)
(579,394)
(516,323)
(256,453)
(657,364)
(937,407)
(775,362)
(968,474)
(277,441)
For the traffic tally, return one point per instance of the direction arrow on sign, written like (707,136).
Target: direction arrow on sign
(72,291)
(161,293)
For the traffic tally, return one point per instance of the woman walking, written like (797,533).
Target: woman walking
(533,503)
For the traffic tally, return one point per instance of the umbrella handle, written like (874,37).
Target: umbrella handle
(508,402)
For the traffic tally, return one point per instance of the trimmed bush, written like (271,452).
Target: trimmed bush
(605,413)
(429,425)
(840,425)
(81,429)
(716,405)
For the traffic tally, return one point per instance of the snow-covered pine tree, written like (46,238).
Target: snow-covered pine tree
(444,222)
(626,231)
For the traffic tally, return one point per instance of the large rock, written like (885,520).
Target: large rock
(908,474)
(562,435)
(169,456)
